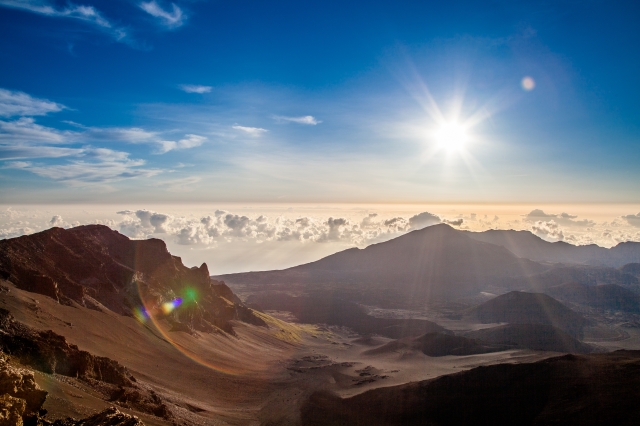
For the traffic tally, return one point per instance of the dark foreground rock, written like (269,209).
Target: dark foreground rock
(569,390)
(21,398)
(50,353)
(109,417)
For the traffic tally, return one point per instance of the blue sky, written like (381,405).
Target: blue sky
(241,101)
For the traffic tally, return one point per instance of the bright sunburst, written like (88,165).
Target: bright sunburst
(451,136)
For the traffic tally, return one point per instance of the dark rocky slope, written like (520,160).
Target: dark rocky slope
(580,390)
(97,267)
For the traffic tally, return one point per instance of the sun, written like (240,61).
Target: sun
(451,136)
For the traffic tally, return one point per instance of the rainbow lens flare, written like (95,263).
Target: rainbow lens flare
(141,314)
(168,307)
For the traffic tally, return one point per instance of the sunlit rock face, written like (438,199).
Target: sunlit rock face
(99,268)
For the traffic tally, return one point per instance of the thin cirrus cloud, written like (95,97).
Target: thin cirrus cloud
(24,152)
(21,138)
(88,14)
(25,130)
(194,88)
(13,103)
(253,131)
(307,119)
(173,19)
(98,165)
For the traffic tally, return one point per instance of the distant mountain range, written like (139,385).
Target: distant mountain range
(529,246)
(441,262)
(435,261)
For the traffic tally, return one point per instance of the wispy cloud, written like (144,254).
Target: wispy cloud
(99,166)
(253,131)
(193,88)
(26,131)
(85,13)
(182,185)
(307,119)
(173,19)
(15,152)
(189,141)
(20,104)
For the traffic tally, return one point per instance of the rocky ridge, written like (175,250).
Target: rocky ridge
(97,267)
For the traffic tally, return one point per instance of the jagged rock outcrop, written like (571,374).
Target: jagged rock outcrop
(96,266)
(20,396)
(50,353)
(109,417)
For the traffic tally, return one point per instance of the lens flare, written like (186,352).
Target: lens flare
(190,294)
(141,314)
(528,83)
(168,307)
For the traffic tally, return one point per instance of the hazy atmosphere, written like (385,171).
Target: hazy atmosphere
(279,213)
(239,237)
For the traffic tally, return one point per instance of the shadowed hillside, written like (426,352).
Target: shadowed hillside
(529,308)
(608,296)
(438,344)
(568,390)
(326,309)
(538,337)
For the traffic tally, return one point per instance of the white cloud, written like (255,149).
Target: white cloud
(56,221)
(307,119)
(189,141)
(84,13)
(193,88)
(424,219)
(253,131)
(564,219)
(20,104)
(548,230)
(633,219)
(173,19)
(123,134)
